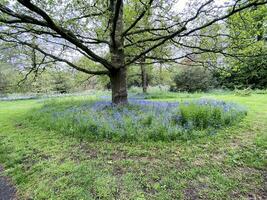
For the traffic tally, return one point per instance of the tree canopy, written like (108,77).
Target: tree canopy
(115,33)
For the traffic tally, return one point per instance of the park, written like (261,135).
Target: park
(133,99)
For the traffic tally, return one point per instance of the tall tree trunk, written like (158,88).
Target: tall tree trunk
(144,75)
(119,86)
(160,76)
(118,74)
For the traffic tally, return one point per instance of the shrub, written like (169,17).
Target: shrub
(207,114)
(193,79)
(257,91)
(139,121)
(244,92)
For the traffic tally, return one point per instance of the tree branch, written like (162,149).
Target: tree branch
(55,57)
(138,18)
(66,34)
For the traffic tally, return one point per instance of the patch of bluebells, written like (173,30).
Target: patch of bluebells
(141,119)
(226,106)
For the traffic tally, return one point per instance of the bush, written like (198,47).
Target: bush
(139,121)
(244,92)
(193,79)
(257,91)
(207,114)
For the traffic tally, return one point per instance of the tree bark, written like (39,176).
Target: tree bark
(118,79)
(144,75)
(118,75)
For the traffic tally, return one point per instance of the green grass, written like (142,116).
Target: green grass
(50,165)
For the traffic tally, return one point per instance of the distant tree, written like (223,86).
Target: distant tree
(193,79)
(8,78)
(3,83)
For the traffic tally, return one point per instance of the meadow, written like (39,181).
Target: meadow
(162,146)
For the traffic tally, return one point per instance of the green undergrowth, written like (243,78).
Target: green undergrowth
(139,121)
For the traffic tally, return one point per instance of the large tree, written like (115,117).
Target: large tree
(62,30)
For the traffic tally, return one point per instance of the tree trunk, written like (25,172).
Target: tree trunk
(118,74)
(160,76)
(118,79)
(144,75)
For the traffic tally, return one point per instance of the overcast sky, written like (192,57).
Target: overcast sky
(181,3)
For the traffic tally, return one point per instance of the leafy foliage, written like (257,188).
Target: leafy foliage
(193,79)
(248,39)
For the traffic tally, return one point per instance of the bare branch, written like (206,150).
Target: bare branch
(66,34)
(55,57)
(138,18)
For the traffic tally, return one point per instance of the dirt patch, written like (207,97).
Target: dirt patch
(19,125)
(192,192)
(257,191)
(7,190)
(261,194)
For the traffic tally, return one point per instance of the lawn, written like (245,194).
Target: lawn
(46,164)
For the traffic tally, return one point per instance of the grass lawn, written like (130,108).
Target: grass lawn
(49,165)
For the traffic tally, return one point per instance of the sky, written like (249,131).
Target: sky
(181,3)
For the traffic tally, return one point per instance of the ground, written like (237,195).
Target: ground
(44,164)
(7,190)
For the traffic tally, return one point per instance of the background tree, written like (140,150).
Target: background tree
(3,83)
(248,39)
(193,79)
